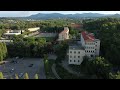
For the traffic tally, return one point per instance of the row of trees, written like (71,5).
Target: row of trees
(3,51)
(61,50)
(54,25)
(26,76)
(29,47)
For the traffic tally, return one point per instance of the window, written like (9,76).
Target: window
(91,55)
(70,51)
(89,51)
(70,60)
(78,56)
(74,56)
(96,45)
(70,56)
(96,42)
(79,52)
(74,60)
(78,61)
(74,51)
(93,51)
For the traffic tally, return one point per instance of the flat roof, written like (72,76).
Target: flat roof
(12,33)
(76,47)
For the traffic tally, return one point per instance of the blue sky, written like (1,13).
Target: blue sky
(28,13)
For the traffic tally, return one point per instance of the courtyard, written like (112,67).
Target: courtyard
(21,66)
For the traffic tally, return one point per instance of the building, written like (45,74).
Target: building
(76,54)
(64,34)
(6,41)
(88,46)
(10,33)
(91,45)
(33,29)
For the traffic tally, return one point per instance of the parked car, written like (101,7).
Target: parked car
(12,70)
(30,65)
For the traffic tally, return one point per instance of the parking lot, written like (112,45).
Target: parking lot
(22,65)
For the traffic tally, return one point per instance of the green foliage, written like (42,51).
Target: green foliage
(36,76)
(64,74)
(26,76)
(3,51)
(108,31)
(48,71)
(16,76)
(29,47)
(100,67)
(1,75)
(114,76)
(61,50)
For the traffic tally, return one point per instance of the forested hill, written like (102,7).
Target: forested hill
(58,16)
(42,16)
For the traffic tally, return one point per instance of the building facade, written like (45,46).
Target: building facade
(91,45)
(10,33)
(88,46)
(64,34)
(76,54)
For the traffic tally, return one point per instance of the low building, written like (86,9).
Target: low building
(6,41)
(76,54)
(64,34)
(10,33)
(33,29)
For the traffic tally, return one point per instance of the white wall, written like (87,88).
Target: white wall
(97,47)
(90,49)
(74,56)
(82,41)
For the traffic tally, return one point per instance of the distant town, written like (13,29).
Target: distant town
(60,48)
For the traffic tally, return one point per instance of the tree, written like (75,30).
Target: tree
(114,76)
(3,51)
(36,76)
(1,75)
(16,76)
(26,76)
(101,67)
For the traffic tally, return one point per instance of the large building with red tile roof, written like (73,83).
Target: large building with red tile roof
(64,34)
(88,46)
(90,43)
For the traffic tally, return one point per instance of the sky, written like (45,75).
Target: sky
(28,13)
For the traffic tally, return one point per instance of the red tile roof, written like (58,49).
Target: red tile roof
(88,36)
(64,31)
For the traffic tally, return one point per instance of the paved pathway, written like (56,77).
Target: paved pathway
(42,71)
(65,65)
(54,71)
